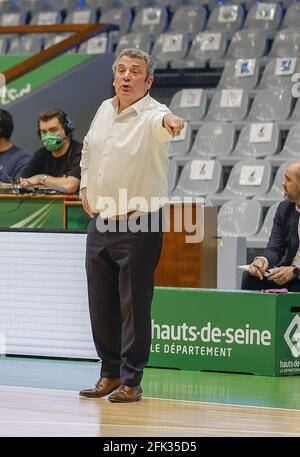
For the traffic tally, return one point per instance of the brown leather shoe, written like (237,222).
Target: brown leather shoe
(104,387)
(126,394)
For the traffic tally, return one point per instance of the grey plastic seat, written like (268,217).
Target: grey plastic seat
(199,178)
(257,140)
(291,148)
(213,141)
(228,105)
(150,20)
(31,5)
(226,18)
(210,4)
(271,105)
(6,5)
(278,73)
(275,194)
(240,74)
(264,16)
(295,117)
(26,44)
(66,5)
(169,46)
(134,40)
(171,4)
(191,104)
(260,239)
(286,44)
(134,3)
(13,18)
(46,17)
(188,19)
(52,39)
(180,145)
(172,175)
(118,16)
(292,16)
(206,46)
(104,5)
(82,16)
(248,178)
(3,45)
(99,44)
(239,217)
(249,44)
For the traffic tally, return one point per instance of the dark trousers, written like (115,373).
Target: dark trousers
(250,282)
(120,273)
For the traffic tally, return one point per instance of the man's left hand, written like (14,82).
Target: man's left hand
(282,275)
(174,124)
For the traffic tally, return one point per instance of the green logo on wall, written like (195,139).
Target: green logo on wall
(292,336)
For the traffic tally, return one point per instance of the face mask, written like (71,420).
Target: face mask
(52,141)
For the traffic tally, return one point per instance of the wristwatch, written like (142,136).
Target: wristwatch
(43,179)
(296,271)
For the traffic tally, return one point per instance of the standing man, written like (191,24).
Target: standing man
(12,158)
(56,164)
(126,149)
(282,254)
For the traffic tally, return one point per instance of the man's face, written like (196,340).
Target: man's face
(52,126)
(291,185)
(130,81)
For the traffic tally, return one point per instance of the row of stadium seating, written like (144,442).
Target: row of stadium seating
(250,178)
(157,19)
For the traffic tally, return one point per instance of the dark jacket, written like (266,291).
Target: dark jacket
(284,239)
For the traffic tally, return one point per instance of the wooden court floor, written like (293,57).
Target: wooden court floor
(37,399)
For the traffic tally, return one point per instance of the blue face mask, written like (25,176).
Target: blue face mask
(52,141)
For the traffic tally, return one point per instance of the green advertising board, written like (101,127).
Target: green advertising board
(230,331)
(32,213)
(38,77)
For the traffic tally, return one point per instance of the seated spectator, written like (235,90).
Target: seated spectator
(56,164)
(279,264)
(12,158)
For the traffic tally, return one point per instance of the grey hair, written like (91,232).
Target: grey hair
(136,54)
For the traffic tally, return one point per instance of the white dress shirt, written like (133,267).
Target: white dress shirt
(124,160)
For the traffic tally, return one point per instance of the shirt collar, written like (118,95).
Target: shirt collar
(137,106)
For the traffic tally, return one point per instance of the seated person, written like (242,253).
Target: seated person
(282,254)
(12,158)
(56,164)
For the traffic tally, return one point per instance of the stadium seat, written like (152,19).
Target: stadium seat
(118,16)
(206,47)
(99,44)
(26,44)
(291,148)
(239,74)
(228,105)
(180,145)
(213,141)
(239,217)
(260,239)
(169,46)
(104,5)
(150,20)
(134,40)
(172,175)
(257,140)
(191,104)
(46,17)
(199,178)
(82,16)
(12,18)
(275,194)
(286,44)
(247,179)
(292,16)
(250,44)
(271,105)
(4,42)
(278,73)
(264,16)
(226,18)
(188,19)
